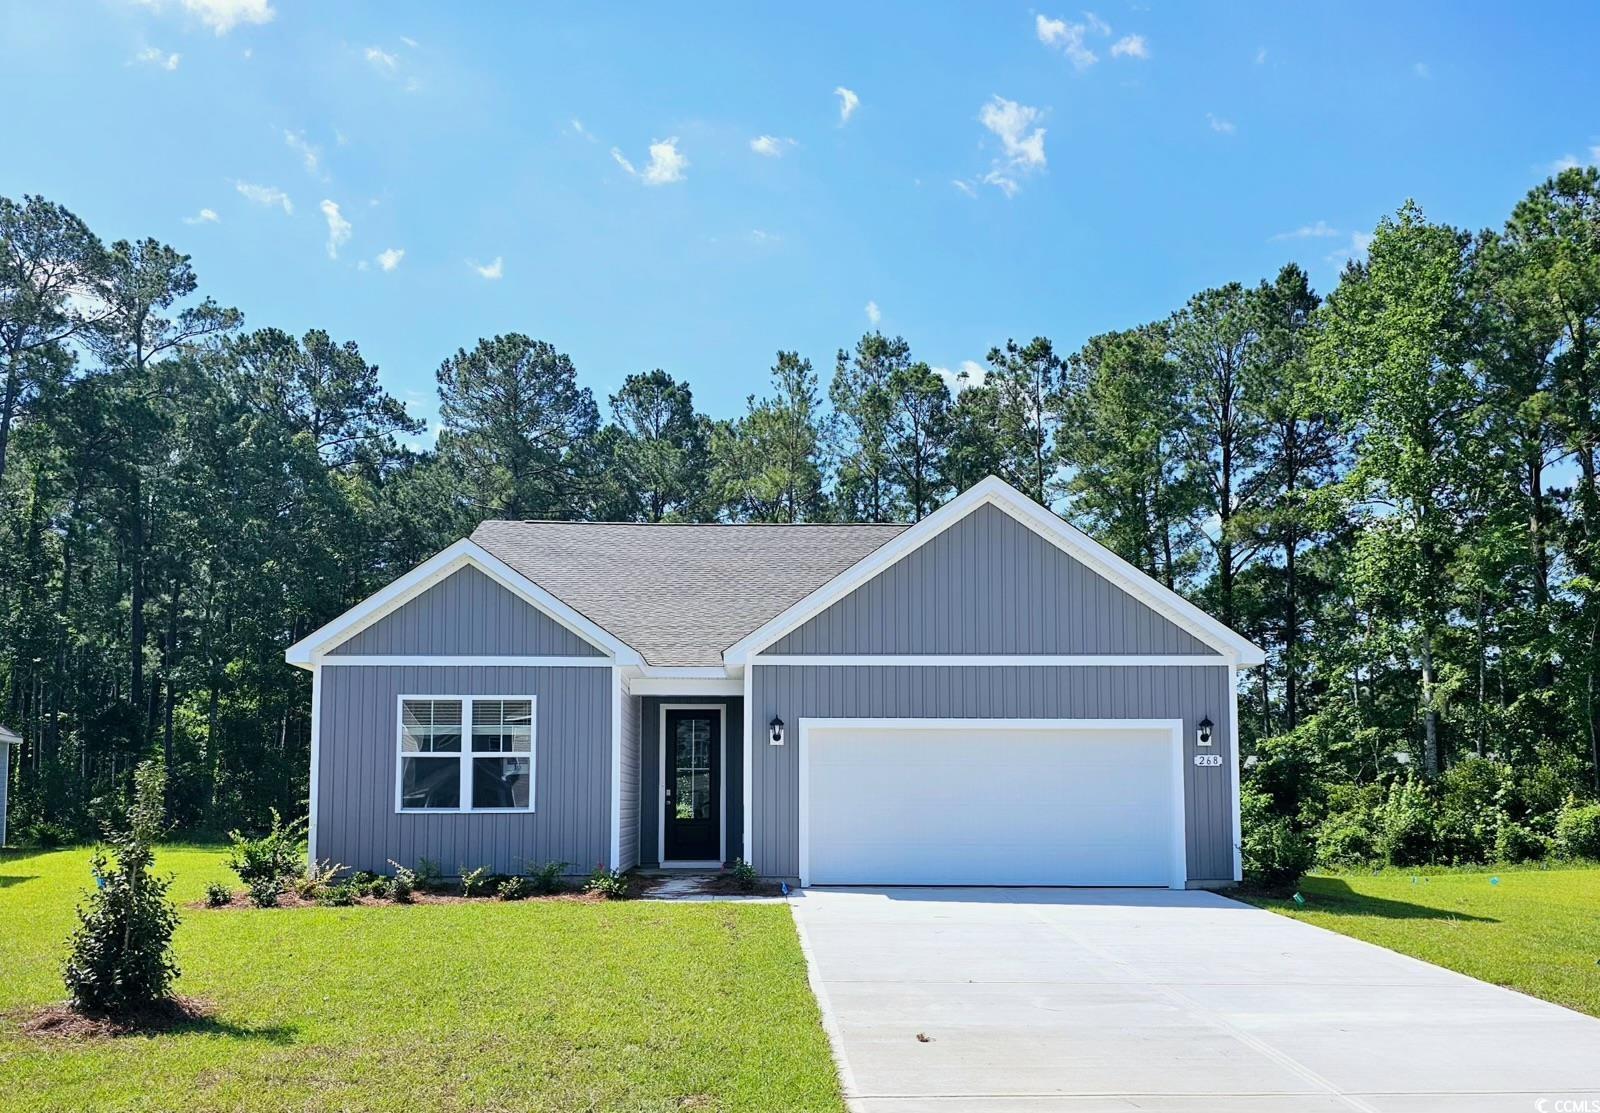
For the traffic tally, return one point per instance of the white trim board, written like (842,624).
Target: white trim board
(466,754)
(447,661)
(661,784)
(996,492)
(955,660)
(1174,727)
(686,686)
(316,764)
(435,569)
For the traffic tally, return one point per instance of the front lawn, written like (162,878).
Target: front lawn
(1534,930)
(541,1005)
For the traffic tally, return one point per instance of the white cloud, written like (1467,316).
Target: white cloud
(265,195)
(964,187)
(204,216)
(223,16)
(382,60)
(409,41)
(1021,143)
(310,155)
(1069,37)
(770,146)
(666,164)
(1357,247)
(578,129)
(491,271)
(1131,46)
(1421,70)
(390,259)
(1218,124)
(338,228)
(1096,24)
(874,314)
(848,103)
(971,373)
(763,237)
(1320,230)
(151,56)
(1571,161)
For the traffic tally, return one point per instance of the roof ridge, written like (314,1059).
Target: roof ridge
(697,525)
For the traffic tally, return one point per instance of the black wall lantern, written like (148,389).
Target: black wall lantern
(775,731)
(1202,732)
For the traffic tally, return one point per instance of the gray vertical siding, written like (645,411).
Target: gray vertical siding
(468,614)
(989,585)
(358,741)
(630,783)
(1187,692)
(650,774)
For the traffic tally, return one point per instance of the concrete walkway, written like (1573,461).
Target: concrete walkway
(1028,1000)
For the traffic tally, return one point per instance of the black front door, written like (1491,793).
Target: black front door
(692,823)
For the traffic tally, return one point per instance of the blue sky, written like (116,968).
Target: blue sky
(596,177)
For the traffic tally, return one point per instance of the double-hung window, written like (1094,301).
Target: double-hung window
(466,753)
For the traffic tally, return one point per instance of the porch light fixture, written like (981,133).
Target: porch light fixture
(775,731)
(1202,732)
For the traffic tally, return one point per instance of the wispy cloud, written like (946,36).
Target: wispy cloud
(222,16)
(1571,161)
(1261,55)
(1320,230)
(666,164)
(1021,142)
(1069,38)
(1421,70)
(265,195)
(969,374)
(874,314)
(1131,46)
(338,228)
(770,146)
(1354,249)
(151,56)
(579,130)
(204,216)
(491,271)
(848,103)
(964,187)
(309,154)
(390,259)
(1218,124)
(381,59)
(763,238)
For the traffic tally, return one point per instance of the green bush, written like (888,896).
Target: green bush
(427,875)
(264,892)
(277,856)
(1274,853)
(1578,829)
(743,875)
(120,954)
(1515,843)
(476,882)
(1344,840)
(547,878)
(402,884)
(1405,831)
(609,883)
(338,896)
(218,894)
(316,877)
(514,888)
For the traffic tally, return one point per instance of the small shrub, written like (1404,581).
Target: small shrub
(318,875)
(362,878)
(547,878)
(402,884)
(1515,843)
(46,835)
(743,875)
(378,888)
(264,893)
(337,896)
(1344,841)
(609,883)
(218,894)
(1578,829)
(427,874)
(1405,834)
(475,882)
(514,888)
(278,856)
(121,951)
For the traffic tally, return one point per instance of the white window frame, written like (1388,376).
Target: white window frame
(465,757)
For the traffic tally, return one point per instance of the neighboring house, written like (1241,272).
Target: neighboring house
(985,697)
(8,739)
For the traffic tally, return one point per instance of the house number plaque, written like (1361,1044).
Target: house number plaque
(1208,761)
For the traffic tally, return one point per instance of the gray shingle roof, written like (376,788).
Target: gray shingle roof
(679,594)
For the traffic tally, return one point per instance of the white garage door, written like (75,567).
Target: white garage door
(972,802)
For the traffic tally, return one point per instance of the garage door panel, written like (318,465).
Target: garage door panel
(972,804)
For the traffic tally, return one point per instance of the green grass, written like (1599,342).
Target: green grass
(542,1005)
(1537,930)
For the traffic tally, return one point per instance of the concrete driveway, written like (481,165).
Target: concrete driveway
(1027,1000)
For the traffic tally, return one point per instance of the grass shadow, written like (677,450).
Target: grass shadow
(1334,896)
(185,1016)
(9,879)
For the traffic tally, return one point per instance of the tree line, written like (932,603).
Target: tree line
(1392,487)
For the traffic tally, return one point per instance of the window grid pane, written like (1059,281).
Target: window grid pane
(502,726)
(432,754)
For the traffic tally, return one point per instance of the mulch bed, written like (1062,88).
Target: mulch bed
(291,899)
(66,1023)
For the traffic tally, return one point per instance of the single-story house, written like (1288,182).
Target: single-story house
(985,697)
(8,739)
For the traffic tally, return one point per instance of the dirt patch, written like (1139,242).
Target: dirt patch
(66,1023)
(728,885)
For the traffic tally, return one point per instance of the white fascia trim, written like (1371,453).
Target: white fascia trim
(307,650)
(954,660)
(617,684)
(316,764)
(1174,728)
(1238,789)
(996,492)
(748,853)
(687,686)
(690,671)
(442,661)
